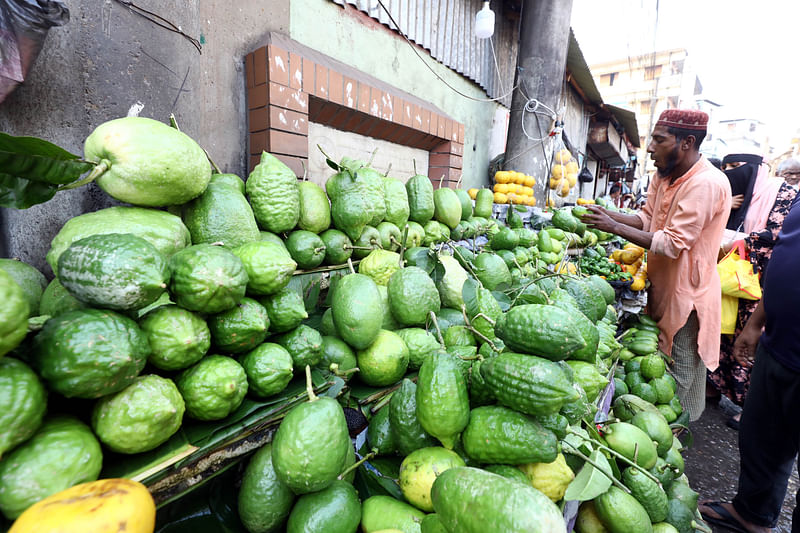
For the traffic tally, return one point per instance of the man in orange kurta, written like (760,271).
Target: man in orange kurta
(681,226)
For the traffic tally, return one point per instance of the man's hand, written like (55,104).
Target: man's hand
(597,217)
(744,349)
(736,201)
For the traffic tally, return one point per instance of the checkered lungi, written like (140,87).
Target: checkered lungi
(688,368)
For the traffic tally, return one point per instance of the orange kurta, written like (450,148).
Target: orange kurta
(687,219)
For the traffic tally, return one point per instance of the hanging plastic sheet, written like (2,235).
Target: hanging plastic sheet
(23,27)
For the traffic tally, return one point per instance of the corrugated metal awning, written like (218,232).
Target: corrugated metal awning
(446,28)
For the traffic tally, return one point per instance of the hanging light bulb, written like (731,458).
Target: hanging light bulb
(484,22)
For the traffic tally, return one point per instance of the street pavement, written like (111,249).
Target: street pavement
(712,463)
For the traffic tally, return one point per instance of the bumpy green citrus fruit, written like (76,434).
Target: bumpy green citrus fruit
(286,309)
(269,267)
(23,401)
(273,193)
(213,388)
(380,265)
(14,310)
(178,338)
(140,417)
(269,369)
(304,344)
(412,296)
(207,279)
(241,328)
(31,281)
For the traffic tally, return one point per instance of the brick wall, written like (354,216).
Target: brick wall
(290,85)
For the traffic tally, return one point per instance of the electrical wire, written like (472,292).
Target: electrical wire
(414,49)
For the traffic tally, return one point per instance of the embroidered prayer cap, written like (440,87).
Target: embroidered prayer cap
(686,119)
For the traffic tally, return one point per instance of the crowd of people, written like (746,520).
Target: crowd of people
(693,204)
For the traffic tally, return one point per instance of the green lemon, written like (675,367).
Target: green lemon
(663,389)
(667,412)
(492,271)
(675,405)
(336,352)
(178,338)
(338,246)
(140,417)
(306,248)
(653,366)
(213,388)
(369,240)
(645,392)
(385,361)
(241,328)
(269,369)
(632,379)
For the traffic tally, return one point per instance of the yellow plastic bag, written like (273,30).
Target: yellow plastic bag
(736,275)
(730,311)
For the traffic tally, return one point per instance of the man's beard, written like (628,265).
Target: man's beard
(672,162)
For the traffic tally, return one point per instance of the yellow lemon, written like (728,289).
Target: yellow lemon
(572,178)
(563,156)
(500,187)
(502,176)
(558,171)
(572,167)
(500,198)
(550,478)
(473,193)
(97,506)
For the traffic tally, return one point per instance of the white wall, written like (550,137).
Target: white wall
(338,144)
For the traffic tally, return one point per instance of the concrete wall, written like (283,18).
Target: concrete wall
(108,58)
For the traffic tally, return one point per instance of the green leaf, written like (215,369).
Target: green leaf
(438,271)
(469,292)
(19,193)
(423,259)
(503,299)
(38,160)
(590,482)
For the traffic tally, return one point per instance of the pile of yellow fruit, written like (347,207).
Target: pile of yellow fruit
(515,187)
(632,258)
(585,201)
(564,174)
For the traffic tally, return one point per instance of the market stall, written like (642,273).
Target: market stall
(376,355)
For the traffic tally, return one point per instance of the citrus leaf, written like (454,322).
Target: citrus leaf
(38,160)
(590,482)
(503,299)
(19,193)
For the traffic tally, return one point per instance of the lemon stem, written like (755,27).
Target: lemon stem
(310,386)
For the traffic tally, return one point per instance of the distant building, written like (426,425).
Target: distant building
(649,84)
(742,135)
